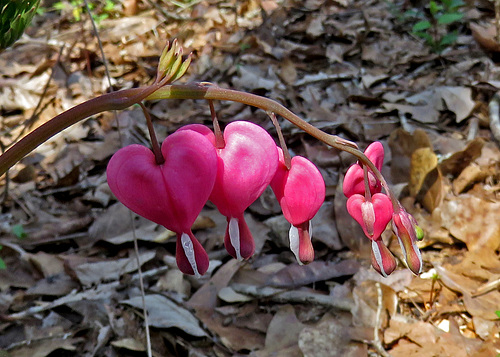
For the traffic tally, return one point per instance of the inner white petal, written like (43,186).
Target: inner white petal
(234,237)
(187,246)
(378,258)
(293,236)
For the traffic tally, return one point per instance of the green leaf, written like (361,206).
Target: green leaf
(434,8)
(421,26)
(498,313)
(2,264)
(449,18)
(455,4)
(448,39)
(18,231)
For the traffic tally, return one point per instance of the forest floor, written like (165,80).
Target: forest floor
(70,285)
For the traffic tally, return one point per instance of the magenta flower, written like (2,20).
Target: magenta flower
(382,259)
(246,165)
(373,215)
(408,232)
(171,194)
(354,180)
(300,192)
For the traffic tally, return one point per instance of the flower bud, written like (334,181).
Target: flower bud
(382,259)
(408,232)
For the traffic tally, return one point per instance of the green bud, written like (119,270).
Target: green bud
(15,16)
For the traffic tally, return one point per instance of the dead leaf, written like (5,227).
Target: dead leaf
(460,160)
(473,220)
(425,178)
(403,145)
(163,313)
(332,337)
(485,36)
(299,275)
(110,270)
(45,347)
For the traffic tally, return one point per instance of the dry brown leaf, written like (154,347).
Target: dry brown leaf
(485,36)
(402,145)
(163,313)
(469,176)
(277,337)
(110,270)
(45,347)
(460,160)
(472,220)
(332,336)
(426,182)
(299,275)
(483,306)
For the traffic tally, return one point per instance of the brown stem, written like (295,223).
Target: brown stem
(125,98)
(219,138)
(200,91)
(368,193)
(286,154)
(154,141)
(110,101)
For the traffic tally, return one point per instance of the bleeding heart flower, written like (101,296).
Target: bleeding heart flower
(382,259)
(354,180)
(300,191)
(408,232)
(373,215)
(171,194)
(246,165)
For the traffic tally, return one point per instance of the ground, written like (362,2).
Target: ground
(354,68)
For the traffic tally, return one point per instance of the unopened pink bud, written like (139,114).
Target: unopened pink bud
(382,259)
(407,231)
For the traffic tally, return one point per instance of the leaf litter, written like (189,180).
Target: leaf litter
(71,285)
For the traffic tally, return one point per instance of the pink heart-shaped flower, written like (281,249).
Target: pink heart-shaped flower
(373,215)
(171,194)
(246,165)
(300,191)
(354,180)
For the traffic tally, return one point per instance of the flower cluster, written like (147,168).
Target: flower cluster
(196,169)
(373,210)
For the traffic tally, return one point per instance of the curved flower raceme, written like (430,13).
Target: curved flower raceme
(354,180)
(171,194)
(246,165)
(300,191)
